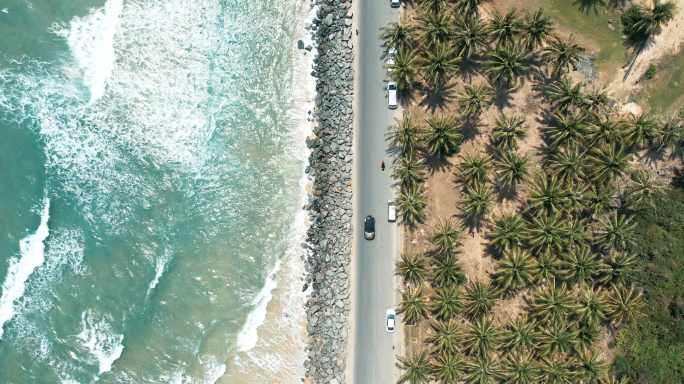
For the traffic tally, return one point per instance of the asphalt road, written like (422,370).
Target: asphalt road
(376,288)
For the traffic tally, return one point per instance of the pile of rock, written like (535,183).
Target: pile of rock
(329,206)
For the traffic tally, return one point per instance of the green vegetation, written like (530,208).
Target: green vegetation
(651,72)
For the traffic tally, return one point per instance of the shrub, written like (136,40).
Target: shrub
(651,71)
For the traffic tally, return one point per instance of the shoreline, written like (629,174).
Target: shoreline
(328,242)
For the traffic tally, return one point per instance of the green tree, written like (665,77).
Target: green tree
(547,234)
(655,17)
(590,369)
(417,368)
(519,335)
(596,100)
(568,130)
(447,272)
(553,303)
(404,71)
(565,96)
(445,236)
(579,265)
(474,99)
(641,130)
(483,370)
(512,168)
(439,65)
(576,197)
(506,64)
(443,135)
(548,267)
(448,368)
(446,302)
(404,135)
(478,201)
(433,6)
(480,298)
(625,305)
(446,337)
(508,129)
(604,129)
(413,305)
(482,337)
(601,199)
(399,35)
(671,133)
(521,368)
(619,269)
(470,37)
(508,231)
(411,205)
(436,29)
(469,8)
(409,172)
(516,269)
(615,232)
(536,29)
(503,30)
(568,165)
(562,54)
(592,306)
(412,268)
(557,370)
(577,237)
(588,333)
(608,163)
(475,168)
(643,190)
(547,195)
(557,337)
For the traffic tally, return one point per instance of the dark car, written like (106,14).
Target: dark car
(369,228)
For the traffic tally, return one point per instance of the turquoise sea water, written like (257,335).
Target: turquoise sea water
(152,165)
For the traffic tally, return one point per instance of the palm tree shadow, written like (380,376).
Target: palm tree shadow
(541,80)
(472,223)
(507,192)
(471,128)
(504,97)
(437,164)
(439,98)
(587,5)
(408,96)
(470,68)
(651,157)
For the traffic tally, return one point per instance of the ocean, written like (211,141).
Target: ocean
(152,162)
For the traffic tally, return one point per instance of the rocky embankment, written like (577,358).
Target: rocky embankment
(329,206)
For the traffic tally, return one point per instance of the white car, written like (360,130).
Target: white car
(389,326)
(394,3)
(391,210)
(392,95)
(390,58)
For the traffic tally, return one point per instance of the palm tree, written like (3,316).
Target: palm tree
(520,368)
(625,305)
(447,272)
(557,337)
(615,232)
(436,29)
(412,268)
(536,29)
(404,134)
(579,265)
(592,306)
(671,133)
(519,335)
(443,135)
(641,129)
(469,8)
(562,54)
(483,370)
(608,163)
(470,37)
(480,298)
(576,196)
(653,18)
(588,333)
(590,370)
(405,69)
(547,233)
(556,370)
(417,368)
(508,129)
(409,171)
(619,269)
(478,201)
(644,190)
(506,64)
(473,99)
(475,168)
(603,129)
(610,379)
(569,129)
(547,195)
(411,205)
(445,236)
(553,303)
(503,30)
(398,35)
(563,95)
(601,199)
(448,368)
(440,64)
(508,231)
(413,305)
(446,337)
(596,100)
(482,337)
(433,6)
(547,265)
(568,165)
(512,168)
(577,237)
(516,269)
(446,302)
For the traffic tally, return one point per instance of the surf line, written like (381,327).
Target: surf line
(31,256)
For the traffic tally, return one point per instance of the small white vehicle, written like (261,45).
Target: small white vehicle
(391,210)
(394,3)
(389,326)
(392,95)
(390,58)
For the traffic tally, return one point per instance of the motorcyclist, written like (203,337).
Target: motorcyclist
(383,165)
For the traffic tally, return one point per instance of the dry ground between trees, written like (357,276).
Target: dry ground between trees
(527,98)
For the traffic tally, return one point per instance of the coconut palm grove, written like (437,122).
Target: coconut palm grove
(593,251)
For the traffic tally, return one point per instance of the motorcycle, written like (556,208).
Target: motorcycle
(383,166)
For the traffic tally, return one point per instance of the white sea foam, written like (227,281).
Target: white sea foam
(91,40)
(100,340)
(31,256)
(162,262)
(248,336)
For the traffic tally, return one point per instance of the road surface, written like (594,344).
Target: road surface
(375,287)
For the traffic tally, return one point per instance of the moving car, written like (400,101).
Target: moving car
(394,3)
(369,228)
(392,95)
(391,210)
(390,58)
(389,324)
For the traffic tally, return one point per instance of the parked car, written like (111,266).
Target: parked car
(390,58)
(391,210)
(389,324)
(369,228)
(394,3)
(392,95)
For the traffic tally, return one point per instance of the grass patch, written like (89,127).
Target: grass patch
(665,92)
